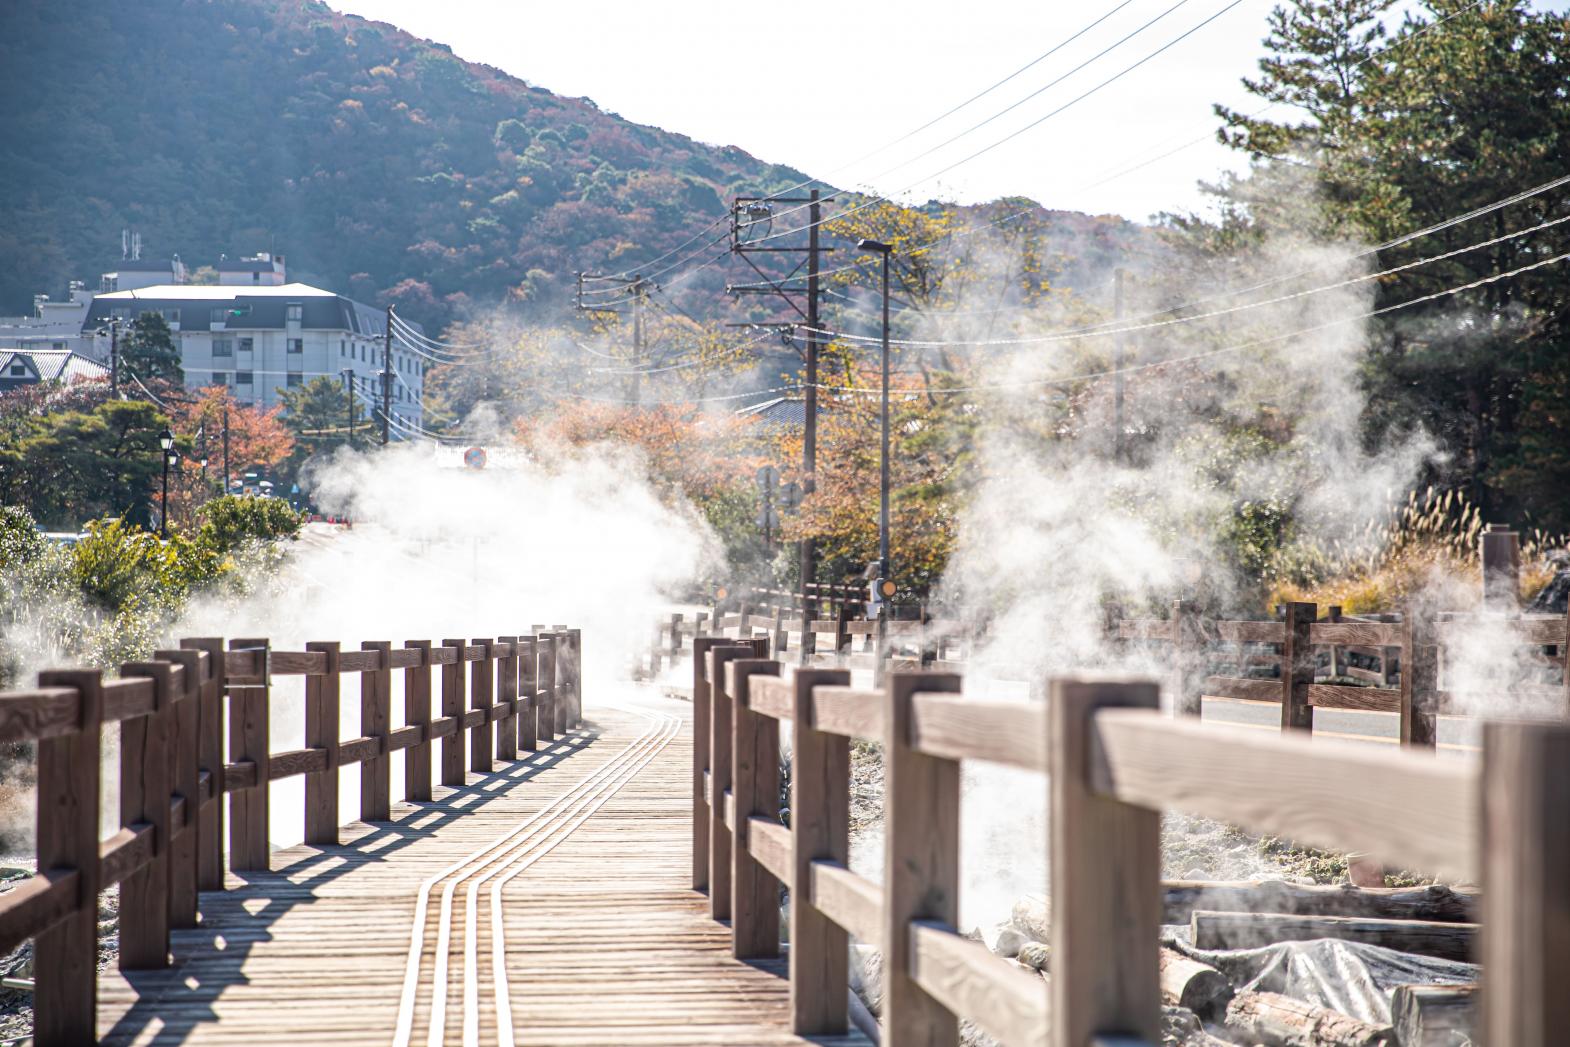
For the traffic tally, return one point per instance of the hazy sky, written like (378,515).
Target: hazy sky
(822,90)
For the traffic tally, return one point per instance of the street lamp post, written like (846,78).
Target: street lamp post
(883,460)
(166,446)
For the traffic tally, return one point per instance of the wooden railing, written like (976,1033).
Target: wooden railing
(175,713)
(1398,663)
(1115,762)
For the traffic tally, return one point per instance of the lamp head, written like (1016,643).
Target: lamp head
(166,439)
(874,246)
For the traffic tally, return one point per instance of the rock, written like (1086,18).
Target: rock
(1035,955)
(1033,915)
(1182,1028)
(1196,873)
(1003,939)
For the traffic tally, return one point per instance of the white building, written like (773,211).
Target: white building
(53,325)
(262,336)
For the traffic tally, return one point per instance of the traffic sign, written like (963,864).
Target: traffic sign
(474,458)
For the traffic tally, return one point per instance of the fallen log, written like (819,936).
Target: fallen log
(1191,984)
(1434,902)
(1435,1015)
(1243,930)
(1281,1021)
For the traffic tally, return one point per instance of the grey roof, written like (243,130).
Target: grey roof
(265,307)
(780,413)
(53,365)
(247,265)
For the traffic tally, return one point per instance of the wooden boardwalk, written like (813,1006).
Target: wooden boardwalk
(555,907)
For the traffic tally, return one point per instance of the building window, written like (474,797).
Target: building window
(296,312)
(59,345)
(294,379)
(297,345)
(19,370)
(220,377)
(256,278)
(246,344)
(223,346)
(242,378)
(171,315)
(343,349)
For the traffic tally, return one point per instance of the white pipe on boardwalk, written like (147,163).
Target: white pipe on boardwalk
(504,1031)
(404,1029)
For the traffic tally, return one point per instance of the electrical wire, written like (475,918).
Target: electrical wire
(950,112)
(1017,132)
(1141,165)
(1270,340)
(1063,336)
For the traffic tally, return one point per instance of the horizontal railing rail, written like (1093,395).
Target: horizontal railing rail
(194,725)
(1114,763)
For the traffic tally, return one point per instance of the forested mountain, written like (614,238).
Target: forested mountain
(374,160)
(380,164)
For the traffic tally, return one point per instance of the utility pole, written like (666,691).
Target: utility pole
(348,399)
(747,213)
(387,374)
(637,289)
(1118,345)
(809,430)
(637,338)
(114,358)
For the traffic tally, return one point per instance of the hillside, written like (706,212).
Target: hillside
(370,157)
(381,164)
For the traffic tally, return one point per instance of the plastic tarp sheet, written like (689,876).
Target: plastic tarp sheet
(1350,977)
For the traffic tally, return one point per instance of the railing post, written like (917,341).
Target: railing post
(481,737)
(323,702)
(1297,667)
(375,722)
(210,761)
(719,744)
(1188,650)
(675,649)
(755,773)
(185,780)
(507,695)
(249,740)
(778,632)
(575,672)
(453,677)
(145,794)
(1419,680)
(1333,614)
(1501,556)
(702,714)
(842,631)
(549,725)
(1526,895)
(65,957)
(1106,881)
(528,703)
(920,863)
(820,829)
(417,710)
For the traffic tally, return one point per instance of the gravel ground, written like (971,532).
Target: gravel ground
(16,1005)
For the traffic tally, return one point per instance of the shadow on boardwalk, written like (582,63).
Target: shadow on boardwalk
(209,960)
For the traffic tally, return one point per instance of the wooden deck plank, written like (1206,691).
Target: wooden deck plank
(604,942)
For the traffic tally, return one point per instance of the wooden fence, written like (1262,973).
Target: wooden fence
(1392,663)
(1114,762)
(175,713)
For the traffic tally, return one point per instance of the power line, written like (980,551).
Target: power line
(1105,329)
(1028,127)
(950,112)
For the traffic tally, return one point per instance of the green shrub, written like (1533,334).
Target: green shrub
(232,521)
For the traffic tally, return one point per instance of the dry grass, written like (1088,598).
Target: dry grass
(1434,535)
